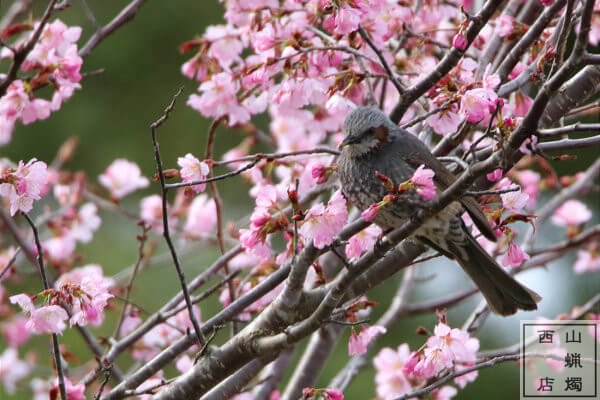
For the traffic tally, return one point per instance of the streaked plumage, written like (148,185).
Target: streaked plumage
(373,143)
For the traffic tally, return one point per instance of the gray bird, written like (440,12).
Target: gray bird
(373,143)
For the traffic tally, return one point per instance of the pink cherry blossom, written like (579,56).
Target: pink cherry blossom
(151,213)
(522,104)
(423,180)
(528,144)
(514,256)
(24,185)
(129,324)
(505,25)
(218,99)
(587,261)
(371,213)
(319,174)
(444,393)
(463,380)
(17,104)
(201,218)
(390,379)
(443,348)
(16,332)
(91,298)
(12,369)
(6,127)
(47,319)
(184,363)
(42,389)
(85,223)
(344,20)
(362,241)
(476,104)
(59,248)
(514,201)
(460,41)
(123,177)
(194,69)
(225,44)
(495,175)
(530,182)
(255,242)
(572,212)
(358,343)
(193,170)
(332,394)
(446,121)
(321,223)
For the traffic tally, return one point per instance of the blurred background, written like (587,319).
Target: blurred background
(111,115)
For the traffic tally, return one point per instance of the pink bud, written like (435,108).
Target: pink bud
(460,41)
(371,213)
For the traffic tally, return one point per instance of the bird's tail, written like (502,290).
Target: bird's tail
(503,293)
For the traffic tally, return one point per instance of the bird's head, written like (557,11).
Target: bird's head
(366,129)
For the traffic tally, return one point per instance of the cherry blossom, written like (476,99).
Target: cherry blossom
(505,25)
(322,223)
(443,348)
(463,380)
(85,223)
(495,175)
(59,248)
(371,213)
(88,291)
(151,212)
(477,104)
(587,261)
(362,241)
(123,177)
(358,343)
(218,99)
(514,201)
(193,170)
(423,180)
(47,319)
(444,393)
(16,332)
(445,121)
(24,185)
(201,218)
(514,256)
(390,379)
(572,212)
(460,41)
(12,369)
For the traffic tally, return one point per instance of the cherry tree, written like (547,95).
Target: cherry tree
(497,89)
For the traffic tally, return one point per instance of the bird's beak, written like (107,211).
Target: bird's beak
(347,141)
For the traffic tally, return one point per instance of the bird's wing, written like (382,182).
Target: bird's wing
(444,178)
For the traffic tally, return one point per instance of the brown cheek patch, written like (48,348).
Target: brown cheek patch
(381,133)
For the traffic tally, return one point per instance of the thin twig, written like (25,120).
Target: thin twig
(476,367)
(142,239)
(42,269)
(165,218)
(488,192)
(214,191)
(382,59)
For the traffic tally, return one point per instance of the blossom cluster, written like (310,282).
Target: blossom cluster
(55,60)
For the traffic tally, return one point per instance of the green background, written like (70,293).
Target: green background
(111,116)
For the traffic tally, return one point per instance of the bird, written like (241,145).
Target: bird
(373,144)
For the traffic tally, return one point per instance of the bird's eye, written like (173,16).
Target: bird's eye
(368,132)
